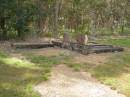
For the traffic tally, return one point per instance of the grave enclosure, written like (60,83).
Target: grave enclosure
(81,45)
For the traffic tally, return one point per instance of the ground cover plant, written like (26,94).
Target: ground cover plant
(17,77)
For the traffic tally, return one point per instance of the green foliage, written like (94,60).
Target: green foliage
(16,16)
(24,16)
(19,18)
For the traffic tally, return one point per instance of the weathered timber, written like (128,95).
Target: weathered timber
(104,50)
(31,45)
(90,48)
(84,49)
(57,43)
(99,45)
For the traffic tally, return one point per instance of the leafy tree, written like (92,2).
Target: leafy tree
(94,17)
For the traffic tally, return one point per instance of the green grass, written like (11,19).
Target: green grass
(74,66)
(17,77)
(116,72)
(118,42)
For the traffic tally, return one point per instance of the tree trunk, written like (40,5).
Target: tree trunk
(56,15)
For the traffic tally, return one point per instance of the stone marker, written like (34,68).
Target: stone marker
(66,37)
(86,40)
(82,39)
(66,40)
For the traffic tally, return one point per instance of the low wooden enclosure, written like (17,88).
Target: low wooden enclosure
(84,49)
(90,48)
(31,45)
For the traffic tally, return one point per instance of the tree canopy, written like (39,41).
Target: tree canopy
(20,18)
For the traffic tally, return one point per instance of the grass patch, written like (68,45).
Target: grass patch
(43,61)
(118,42)
(80,66)
(46,63)
(17,77)
(74,66)
(116,73)
(3,55)
(16,62)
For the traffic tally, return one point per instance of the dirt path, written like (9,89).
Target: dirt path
(66,83)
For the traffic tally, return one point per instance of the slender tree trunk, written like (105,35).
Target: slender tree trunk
(56,15)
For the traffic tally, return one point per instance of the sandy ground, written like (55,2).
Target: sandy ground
(66,83)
